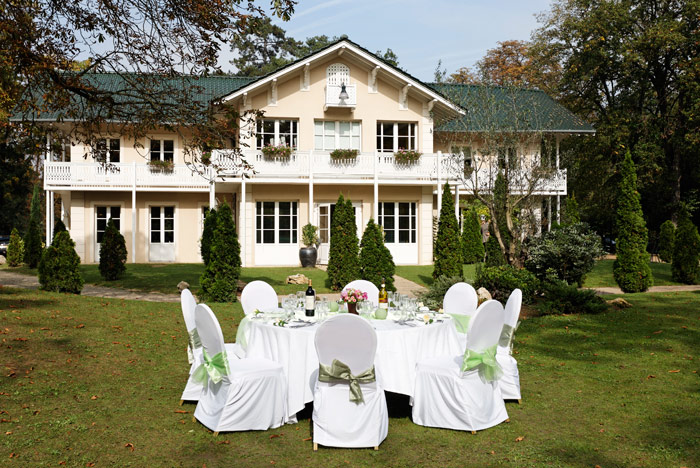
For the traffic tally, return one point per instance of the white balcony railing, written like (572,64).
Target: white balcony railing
(333,96)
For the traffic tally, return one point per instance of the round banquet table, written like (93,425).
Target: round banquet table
(399,347)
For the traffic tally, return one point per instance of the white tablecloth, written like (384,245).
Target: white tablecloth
(399,347)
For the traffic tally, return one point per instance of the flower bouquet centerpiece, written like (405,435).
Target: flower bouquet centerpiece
(351,297)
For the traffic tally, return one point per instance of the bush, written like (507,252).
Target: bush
(686,251)
(376,262)
(207,235)
(631,268)
(500,281)
(32,240)
(309,237)
(562,298)
(343,255)
(448,248)
(571,214)
(472,247)
(219,281)
(58,227)
(567,254)
(494,254)
(435,294)
(59,266)
(15,249)
(112,253)
(667,234)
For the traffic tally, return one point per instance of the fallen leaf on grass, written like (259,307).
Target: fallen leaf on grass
(90,464)
(130,446)
(223,442)
(94,397)
(651,377)
(13,455)
(181,411)
(519,439)
(307,439)
(657,332)
(80,326)
(274,436)
(674,371)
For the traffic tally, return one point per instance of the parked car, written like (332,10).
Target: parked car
(4,241)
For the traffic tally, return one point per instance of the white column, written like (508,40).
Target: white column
(48,222)
(457,202)
(134,227)
(52,208)
(557,139)
(439,182)
(558,209)
(375,208)
(311,187)
(242,226)
(549,213)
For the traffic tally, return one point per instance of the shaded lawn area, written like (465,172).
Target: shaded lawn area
(423,274)
(602,274)
(165,277)
(91,380)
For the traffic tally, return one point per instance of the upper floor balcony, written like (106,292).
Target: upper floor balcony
(334,98)
(300,167)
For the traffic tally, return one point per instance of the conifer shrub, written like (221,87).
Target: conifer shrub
(667,235)
(500,281)
(59,267)
(686,251)
(58,227)
(472,247)
(219,282)
(343,255)
(567,254)
(448,246)
(631,268)
(15,249)
(207,235)
(112,253)
(563,298)
(32,239)
(376,262)
(494,254)
(571,211)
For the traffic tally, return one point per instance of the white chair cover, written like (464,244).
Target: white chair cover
(194,349)
(447,398)
(460,299)
(368,287)
(510,381)
(339,422)
(253,394)
(258,295)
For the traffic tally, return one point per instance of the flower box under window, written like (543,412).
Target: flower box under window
(276,151)
(344,154)
(157,165)
(403,156)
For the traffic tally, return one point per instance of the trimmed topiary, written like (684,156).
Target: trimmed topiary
(207,235)
(448,247)
(686,251)
(58,227)
(15,249)
(219,281)
(32,240)
(472,247)
(667,235)
(376,262)
(112,253)
(631,268)
(494,254)
(59,267)
(343,255)
(500,281)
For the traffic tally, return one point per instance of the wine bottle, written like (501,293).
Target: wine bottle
(383,297)
(310,300)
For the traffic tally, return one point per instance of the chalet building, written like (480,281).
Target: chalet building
(341,97)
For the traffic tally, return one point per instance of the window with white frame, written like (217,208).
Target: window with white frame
(162,224)
(162,150)
(108,150)
(392,136)
(330,135)
(102,216)
(398,220)
(277,132)
(276,222)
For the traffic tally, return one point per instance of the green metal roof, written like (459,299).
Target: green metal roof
(497,108)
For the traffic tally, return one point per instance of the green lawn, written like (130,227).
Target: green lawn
(602,274)
(91,380)
(423,274)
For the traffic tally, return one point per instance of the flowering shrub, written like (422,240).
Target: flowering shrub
(406,156)
(276,151)
(352,295)
(340,154)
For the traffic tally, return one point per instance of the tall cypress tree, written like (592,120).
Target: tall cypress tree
(343,255)
(667,236)
(376,261)
(32,240)
(448,247)
(631,268)
(208,235)
(472,247)
(219,281)
(112,253)
(686,250)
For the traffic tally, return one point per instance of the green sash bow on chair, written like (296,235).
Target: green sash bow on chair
(242,332)
(193,343)
(507,335)
(489,368)
(461,322)
(214,368)
(339,371)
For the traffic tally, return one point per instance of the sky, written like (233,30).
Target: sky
(420,32)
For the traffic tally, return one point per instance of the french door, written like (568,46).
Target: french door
(324,215)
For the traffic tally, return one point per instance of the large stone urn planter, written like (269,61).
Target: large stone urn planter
(307,256)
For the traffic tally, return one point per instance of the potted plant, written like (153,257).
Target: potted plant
(351,297)
(276,151)
(158,165)
(343,154)
(405,156)
(308,254)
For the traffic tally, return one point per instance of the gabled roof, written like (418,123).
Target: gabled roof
(340,46)
(497,108)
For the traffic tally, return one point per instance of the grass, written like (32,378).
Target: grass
(602,274)
(423,274)
(89,380)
